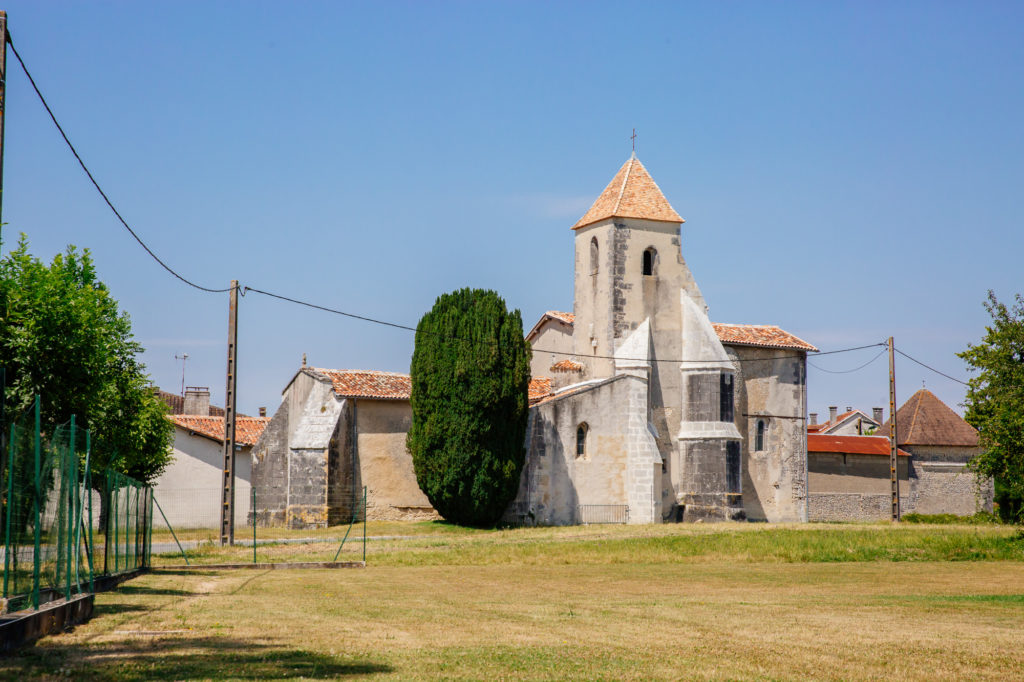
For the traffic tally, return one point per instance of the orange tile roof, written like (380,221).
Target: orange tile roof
(247,429)
(764,335)
(357,383)
(567,366)
(851,445)
(926,420)
(568,318)
(539,388)
(564,318)
(632,193)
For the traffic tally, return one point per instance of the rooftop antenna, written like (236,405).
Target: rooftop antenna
(184,358)
(633,138)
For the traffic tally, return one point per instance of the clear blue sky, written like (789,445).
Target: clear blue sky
(847,171)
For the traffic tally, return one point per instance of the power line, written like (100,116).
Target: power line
(931,368)
(848,371)
(395,325)
(96,184)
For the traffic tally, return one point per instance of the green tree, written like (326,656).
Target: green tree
(995,403)
(470,373)
(63,337)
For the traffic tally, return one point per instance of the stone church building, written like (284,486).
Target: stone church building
(642,409)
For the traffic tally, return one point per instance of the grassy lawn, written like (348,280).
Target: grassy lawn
(602,602)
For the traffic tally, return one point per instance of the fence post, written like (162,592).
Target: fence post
(10,504)
(253,524)
(90,548)
(66,465)
(38,537)
(364,524)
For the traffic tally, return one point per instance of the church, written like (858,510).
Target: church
(653,412)
(642,409)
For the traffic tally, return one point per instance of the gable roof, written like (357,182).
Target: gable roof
(632,193)
(567,366)
(247,429)
(829,425)
(763,335)
(926,420)
(358,383)
(564,318)
(851,445)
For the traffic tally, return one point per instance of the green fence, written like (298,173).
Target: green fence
(64,523)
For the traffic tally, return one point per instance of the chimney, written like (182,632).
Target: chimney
(832,411)
(197,400)
(849,409)
(878,414)
(263,412)
(814,418)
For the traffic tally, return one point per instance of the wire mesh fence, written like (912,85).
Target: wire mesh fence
(65,524)
(188,522)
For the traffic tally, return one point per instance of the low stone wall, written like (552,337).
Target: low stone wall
(851,506)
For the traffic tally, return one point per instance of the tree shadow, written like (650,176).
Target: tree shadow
(137,589)
(213,658)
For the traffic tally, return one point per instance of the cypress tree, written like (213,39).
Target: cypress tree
(470,373)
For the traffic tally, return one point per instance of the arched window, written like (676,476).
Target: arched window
(759,439)
(581,440)
(650,259)
(593,256)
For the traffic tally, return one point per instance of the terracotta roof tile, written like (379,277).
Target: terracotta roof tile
(564,318)
(851,445)
(539,388)
(764,335)
(567,366)
(926,420)
(568,318)
(632,193)
(356,383)
(247,429)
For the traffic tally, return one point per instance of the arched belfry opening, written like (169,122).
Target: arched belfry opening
(650,261)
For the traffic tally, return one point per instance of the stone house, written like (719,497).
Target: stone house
(336,432)
(848,478)
(189,489)
(941,444)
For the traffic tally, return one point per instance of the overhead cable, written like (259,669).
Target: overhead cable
(539,350)
(97,185)
(848,371)
(931,368)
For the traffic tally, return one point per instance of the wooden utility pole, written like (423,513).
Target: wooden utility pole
(894,473)
(3,107)
(227,522)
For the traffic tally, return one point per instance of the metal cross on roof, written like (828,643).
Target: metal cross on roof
(633,137)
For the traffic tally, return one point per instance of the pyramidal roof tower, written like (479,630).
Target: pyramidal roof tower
(632,193)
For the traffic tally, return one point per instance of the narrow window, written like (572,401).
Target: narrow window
(581,441)
(732,466)
(725,396)
(650,257)
(759,439)
(593,256)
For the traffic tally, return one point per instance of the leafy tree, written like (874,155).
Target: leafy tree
(62,337)
(470,373)
(995,403)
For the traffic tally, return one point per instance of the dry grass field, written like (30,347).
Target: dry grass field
(665,602)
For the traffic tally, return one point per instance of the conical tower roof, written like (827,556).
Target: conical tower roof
(632,193)
(926,420)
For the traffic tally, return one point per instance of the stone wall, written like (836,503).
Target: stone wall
(771,386)
(555,482)
(270,471)
(384,465)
